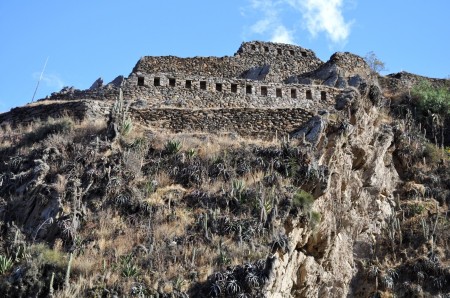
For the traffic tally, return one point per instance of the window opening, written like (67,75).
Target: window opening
(278,92)
(264,91)
(293,93)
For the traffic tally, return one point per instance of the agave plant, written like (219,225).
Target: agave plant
(5,264)
(233,287)
(173,146)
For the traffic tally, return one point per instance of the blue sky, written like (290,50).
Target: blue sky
(84,40)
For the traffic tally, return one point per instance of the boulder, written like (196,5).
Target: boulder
(97,84)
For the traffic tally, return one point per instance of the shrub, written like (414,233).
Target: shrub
(303,199)
(43,254)
(314,218)
(374,63)
(414,209)
(432,153)
(431,98)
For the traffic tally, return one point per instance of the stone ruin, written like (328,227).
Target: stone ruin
(260,76)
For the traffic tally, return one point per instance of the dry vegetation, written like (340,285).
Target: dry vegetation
(412,257)
(144,213)
(98,209)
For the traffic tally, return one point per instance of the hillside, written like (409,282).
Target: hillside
(265,174)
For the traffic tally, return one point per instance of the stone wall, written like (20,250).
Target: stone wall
(253,122)
(76,109)
(191,91)
(281,61)
(244,121)
(103,93)
(402,81)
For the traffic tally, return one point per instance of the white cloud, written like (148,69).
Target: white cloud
(270,23)
(261,26)
(50,80)
(319,16)
(324,16)
(282,35)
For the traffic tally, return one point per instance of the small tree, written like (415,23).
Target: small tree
(374,63)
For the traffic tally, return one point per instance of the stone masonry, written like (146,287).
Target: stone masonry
(265,86)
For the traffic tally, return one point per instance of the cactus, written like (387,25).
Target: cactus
(69,266)
(50,291)
(205,225)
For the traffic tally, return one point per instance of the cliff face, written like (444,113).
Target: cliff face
(357,198)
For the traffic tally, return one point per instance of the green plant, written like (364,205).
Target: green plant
(433,99)
(447,151)
(414,209)
(150,187)
(45,255)
(69,267)
(5,264)
(314,218)
(191,153)
(129,270)
(432,153)
(173,146)
(179,282)
(237,189)
(303,199)
(119,119)
(223,259)
(127,126)
(51,290)
(127,267)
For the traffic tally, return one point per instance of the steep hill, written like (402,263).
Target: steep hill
(265,174)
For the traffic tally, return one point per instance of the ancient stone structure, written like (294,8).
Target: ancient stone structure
(279,85)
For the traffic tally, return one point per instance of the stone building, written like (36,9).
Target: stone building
(225,92)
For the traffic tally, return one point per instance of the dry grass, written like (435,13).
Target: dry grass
(169,193)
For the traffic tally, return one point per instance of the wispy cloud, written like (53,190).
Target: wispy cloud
(51,80)
(318,16)
(271,23)
(324,16)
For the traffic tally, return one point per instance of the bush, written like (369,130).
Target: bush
(303,199)
(431,98)
(374,63)
(315,218)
